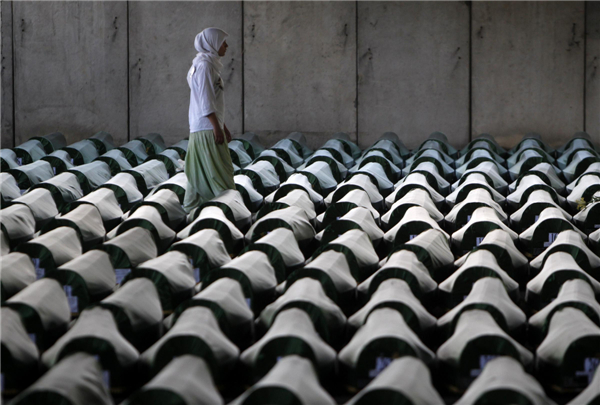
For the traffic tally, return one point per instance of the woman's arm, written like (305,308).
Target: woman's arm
(212,117)
(227,133)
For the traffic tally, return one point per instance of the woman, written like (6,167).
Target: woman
(208,165)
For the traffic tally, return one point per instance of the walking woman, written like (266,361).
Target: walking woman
(208,165)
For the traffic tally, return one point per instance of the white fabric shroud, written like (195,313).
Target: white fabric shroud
(285,375)
(505,373)
(407,375)
(78,378)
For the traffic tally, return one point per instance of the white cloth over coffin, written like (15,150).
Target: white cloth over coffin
(488,291)
(9,189)
(568,238)
(295,217)
(285,375)
(175,267)
(284,241)
(592,170)
(471,325)
(216,213)
(300,199)
(505,373)
(480,258)
(98,323)
(396,291)
(78,378)
(408,376)
(62,243)
(137,243)
(413,214)
(500,238)
(548,214)
(574,291)
(104,199)
(359,243)
(335,265)
(189,377)
(358,197)
(475,179)
(257,267)
(16,272)
(556,262)
(491,170)
(198,322)
(482,214)
(413,180)
(210,241)
(41,204)
(15,339)
(97,172)
(227,293)
(582,186)
(296,323)
(407,260)
(305,290)
(536,197)
(96,270)
(87,218)
(18,221)
(36,172)
(126,182)
(383,323)
(418,197)
(138,298)
(566,326)
(516,197)
(363,181)
(67,185)
(363,218)
(47,298)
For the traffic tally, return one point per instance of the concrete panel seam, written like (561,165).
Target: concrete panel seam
(585,34)
(243,64)
(470,5)
(12,39)
(356,64)
(128,87)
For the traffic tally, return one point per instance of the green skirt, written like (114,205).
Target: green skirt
(208,168)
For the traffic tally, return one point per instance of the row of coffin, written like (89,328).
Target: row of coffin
(300,307)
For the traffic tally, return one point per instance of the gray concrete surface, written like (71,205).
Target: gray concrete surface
(70,69)
(413,70)
(313,67)
(299,69)
(6,119)
(160,53)
(592,71)
(527,69)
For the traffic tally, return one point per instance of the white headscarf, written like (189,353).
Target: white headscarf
(207,44)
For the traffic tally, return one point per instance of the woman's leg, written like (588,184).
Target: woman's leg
(208,168)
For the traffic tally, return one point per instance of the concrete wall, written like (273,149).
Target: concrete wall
(6,85)
(299,69)
(70,71)
(317,67)
(527,69)
(413,70)
(161,49)
(592,71)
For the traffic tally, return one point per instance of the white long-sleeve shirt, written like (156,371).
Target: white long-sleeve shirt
(206,96)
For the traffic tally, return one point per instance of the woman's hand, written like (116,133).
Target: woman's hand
(219,135)
(227,133)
